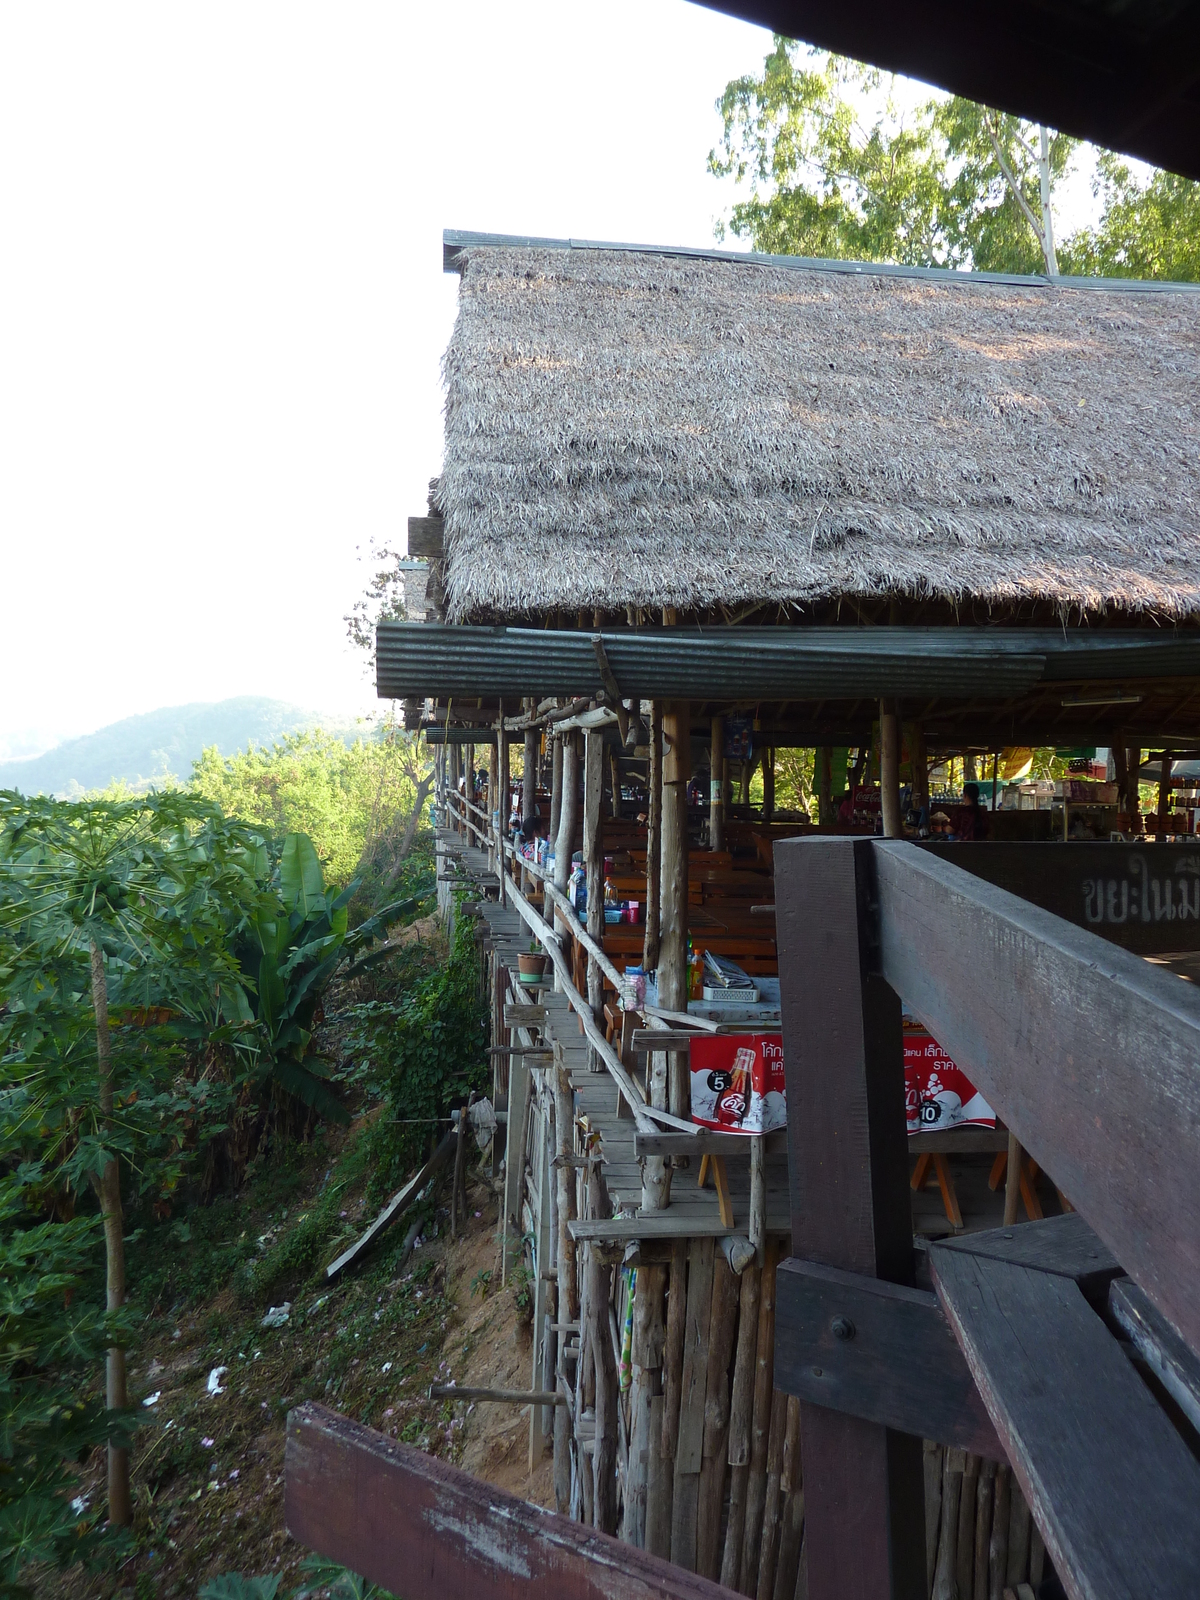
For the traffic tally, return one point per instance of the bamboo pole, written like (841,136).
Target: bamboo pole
(945,1573)
(769,1547)
(889,769)
(932,1455)
(966,1527)
(1018,1538)
(556,767)
(673,942)
(604,1459)
(566,1264)
(760,1426)
(984,1493)
(998,1546)
(593,856)
(673,1350)
(741,1410)
(716,798)
(646,1355)
(791,1488)
(716,1418)
(689,1444)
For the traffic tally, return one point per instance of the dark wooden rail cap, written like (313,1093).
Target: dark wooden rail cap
(427,1531)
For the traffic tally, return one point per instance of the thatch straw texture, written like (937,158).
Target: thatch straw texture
(634,429)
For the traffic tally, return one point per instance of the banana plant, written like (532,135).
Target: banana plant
(301,938)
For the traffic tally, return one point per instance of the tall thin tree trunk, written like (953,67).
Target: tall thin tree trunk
(120,1506)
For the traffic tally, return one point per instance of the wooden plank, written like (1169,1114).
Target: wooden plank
(425,536)
(522,1016)
(396,1206)
(1175,1366)
(880,1351)
(1063,1245)
(1111,1483)
(958,1142)
(1145,900)
(850,1205)
(414,1525)
(1090,1054)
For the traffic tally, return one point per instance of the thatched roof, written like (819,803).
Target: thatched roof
(628,428)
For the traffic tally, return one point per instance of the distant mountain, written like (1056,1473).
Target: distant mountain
(160,744)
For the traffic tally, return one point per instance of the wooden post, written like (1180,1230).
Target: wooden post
(593,856)
(1012,1180)
(495,821)
(556,766)
(646,1355)
(769,784)
(920,766)
(529,776)
(760,1428)
(673,938)
(716,796)
(653,840)
(741,1409)
(823,761)
(889,769)
(604,1461)
(568,1281)
(722,1321)
(614,767)
(848,1161)
(455,773)
(758,1195)
(502,785)
(656,1170)
(1133,764)
(1164,792)
(746,774)
(564,841)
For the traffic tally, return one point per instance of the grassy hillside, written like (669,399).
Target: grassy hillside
(157,745)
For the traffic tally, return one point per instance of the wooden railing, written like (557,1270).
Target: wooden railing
(1092,1057)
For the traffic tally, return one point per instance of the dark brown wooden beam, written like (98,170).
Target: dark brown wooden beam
(420,1528)
(877,1350)
(1089,1054)
(850,1205)
(1111,1484)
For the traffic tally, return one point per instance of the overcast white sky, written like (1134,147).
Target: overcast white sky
(222,307)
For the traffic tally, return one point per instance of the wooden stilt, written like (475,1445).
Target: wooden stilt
(760,1426)
(791,1521)
(769,1544)
(964,1562)
(741,1412)
(716,1417)
(946,1569)
(689,1445)
(649,1339)
(998,1545)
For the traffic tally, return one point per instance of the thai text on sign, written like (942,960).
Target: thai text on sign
(937,1093)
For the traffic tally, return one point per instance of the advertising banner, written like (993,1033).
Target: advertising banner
(737,1082)
(936,1093)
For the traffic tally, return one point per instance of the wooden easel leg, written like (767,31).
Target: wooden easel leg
(949,1196)
(702,1178)
(724,1203)
(920,1175)
(999,1166)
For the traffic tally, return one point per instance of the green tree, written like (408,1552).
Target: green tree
(824,181)
(1149,227)
(834,168)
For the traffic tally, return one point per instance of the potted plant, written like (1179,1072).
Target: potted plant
(531,966)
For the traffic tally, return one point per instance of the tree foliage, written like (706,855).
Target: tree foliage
(353,802)
(836,167)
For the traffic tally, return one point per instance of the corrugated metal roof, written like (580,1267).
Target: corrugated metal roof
(737,663)
(456,240)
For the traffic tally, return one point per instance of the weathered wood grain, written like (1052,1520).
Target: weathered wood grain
(1063,1245)
(897,1361)
(1175,1366)
(414,1525)
(1089,1054)
(851,1209)
(1112,1485)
